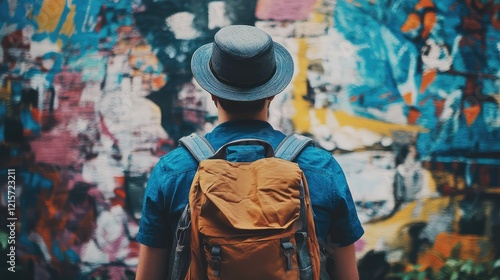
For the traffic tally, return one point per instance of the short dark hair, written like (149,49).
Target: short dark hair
(241,107)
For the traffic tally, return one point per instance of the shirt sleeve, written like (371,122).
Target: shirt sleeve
(154,225)
(345,227)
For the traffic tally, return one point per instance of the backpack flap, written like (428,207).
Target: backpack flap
(248,197)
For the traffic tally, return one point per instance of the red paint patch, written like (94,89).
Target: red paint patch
(284,9)
(413,115)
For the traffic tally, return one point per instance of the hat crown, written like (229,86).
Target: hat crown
(243,56)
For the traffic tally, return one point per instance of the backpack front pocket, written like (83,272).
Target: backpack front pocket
(256,259)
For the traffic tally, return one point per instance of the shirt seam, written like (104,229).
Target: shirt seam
(333,188)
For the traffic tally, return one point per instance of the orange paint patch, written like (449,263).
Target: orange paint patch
(412,22)
(158,81)
(476,248)
(424,4)
(428,77)
(407,97)
(439,104)
(471,114)
(429,22)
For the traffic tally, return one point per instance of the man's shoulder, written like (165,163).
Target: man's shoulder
(317,158)
(177,161)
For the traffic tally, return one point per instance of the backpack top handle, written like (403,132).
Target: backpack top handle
(222,152)
(288,149)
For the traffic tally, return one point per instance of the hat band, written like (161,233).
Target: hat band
(241,85)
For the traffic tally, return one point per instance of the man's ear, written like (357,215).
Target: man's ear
(269,99)
(214,99)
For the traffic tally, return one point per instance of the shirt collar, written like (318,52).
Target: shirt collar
(253,125)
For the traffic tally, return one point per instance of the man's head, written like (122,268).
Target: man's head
(243,64)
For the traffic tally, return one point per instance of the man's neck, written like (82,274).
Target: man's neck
(225,117)
(239,118)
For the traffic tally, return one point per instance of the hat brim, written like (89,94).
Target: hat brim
(200,67)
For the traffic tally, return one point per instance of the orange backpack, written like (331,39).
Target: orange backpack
(247,220)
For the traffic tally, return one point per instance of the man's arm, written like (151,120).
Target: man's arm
(344,264)
(153,263)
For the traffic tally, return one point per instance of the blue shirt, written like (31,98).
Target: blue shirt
(168,186)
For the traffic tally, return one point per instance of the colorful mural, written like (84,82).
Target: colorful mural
(405,94)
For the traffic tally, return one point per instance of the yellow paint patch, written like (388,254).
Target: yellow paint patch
(49,15)
(68,27)
(389,231)
(321,114)
(318,17)
(497,97)
(301,118)
(59,43)
(377,126)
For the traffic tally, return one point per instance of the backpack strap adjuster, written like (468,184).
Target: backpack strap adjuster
(288,251)
(215,255)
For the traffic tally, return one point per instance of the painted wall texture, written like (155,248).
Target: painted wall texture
(405,94)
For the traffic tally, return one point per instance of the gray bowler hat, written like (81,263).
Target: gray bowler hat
(242,64)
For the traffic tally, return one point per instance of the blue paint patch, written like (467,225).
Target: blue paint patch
(375,31)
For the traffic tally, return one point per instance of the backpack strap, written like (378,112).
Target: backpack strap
(198,146)
(291,146)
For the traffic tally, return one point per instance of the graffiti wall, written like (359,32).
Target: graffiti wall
(405,95)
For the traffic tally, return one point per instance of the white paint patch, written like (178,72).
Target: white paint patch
(135,123)
(92,254)
(181,24)
(217,15)
(40,48)
(437,56)
(394,113)
(28,32)
(48,63)
(310,29)
(7,29)
(208,105)
(90,94)
(410,85)
(137,88)
(277,28)
(370,176)
(102,170)
(338,57)
(12,7)
(332,135)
